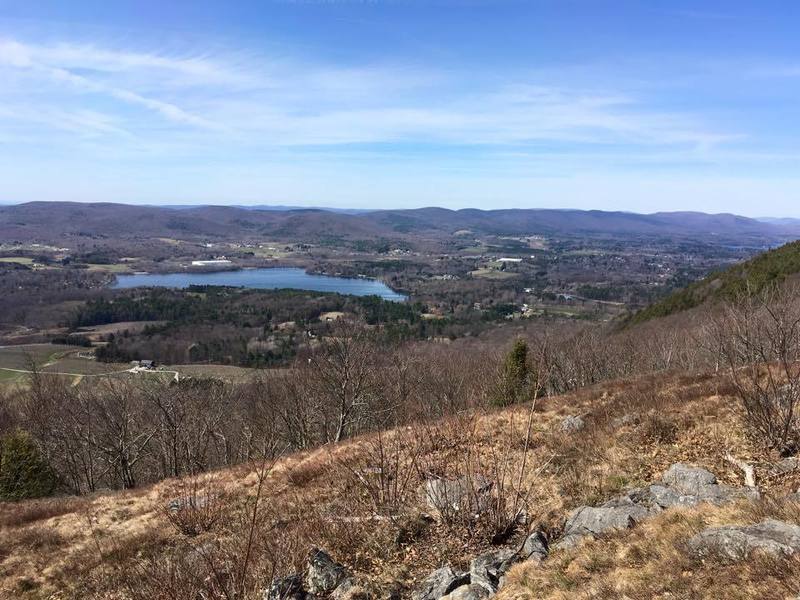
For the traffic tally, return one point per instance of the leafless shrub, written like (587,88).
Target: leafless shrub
(198,507)
(658,429)
(758,339)
(386,471)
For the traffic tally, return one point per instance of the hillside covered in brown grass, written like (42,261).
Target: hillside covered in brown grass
(232,532)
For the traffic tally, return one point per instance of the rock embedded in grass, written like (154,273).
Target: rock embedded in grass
(615,515)
(572,423)
(737,543)
(440,583)
(487,570)
(684,485)
(323,574)
(286,588)
(445,497)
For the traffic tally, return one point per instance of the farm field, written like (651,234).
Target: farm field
(22,260)
(52,358)
(19,357)
(95,332)
(488,273)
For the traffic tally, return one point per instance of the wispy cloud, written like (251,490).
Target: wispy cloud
(260,102)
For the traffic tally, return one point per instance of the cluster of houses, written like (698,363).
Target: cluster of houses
(148,365)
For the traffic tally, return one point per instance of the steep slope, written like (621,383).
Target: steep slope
(359,501)
(749,277)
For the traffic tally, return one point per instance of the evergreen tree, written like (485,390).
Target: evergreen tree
(514,379)
(23,471)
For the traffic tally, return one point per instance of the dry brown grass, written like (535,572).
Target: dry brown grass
(651,561)
(358,500)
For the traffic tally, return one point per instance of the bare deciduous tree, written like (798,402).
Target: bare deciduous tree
(758,339)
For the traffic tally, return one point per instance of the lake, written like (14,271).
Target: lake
(264,279)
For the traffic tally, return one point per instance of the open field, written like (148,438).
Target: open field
(62,359)
(20,357)
(487,273)
(83,366)
(22,260)
(97,331)
(111,268)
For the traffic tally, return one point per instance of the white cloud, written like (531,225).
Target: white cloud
(265,102)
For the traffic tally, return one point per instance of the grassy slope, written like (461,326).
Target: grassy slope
(55,545)
(751,276)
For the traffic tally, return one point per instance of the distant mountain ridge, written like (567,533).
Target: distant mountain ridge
(56,220)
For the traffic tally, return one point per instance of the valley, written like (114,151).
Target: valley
(523,415)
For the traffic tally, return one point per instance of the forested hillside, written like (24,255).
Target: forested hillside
(745,279)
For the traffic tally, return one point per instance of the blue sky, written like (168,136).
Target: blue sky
(618,105)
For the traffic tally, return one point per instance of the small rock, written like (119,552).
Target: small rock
(627,419)
(488,569)
(468,592)
(439,583)
(446,496)
(772,537)
(572,424)
(323,574)
(286,588)
(535,547)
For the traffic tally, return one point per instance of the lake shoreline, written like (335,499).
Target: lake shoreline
(264,278)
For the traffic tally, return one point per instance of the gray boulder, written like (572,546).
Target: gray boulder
(487,570)
(572,424)
(688,480)
(684,485)
(323,574)
(534,548)
(771,537)
(440,583)
(447,496)
(468,592)
(615,515)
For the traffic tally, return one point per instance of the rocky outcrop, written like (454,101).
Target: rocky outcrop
(488,569)
(323,574)
(439,583)
(733,543)
(324,577)
(617,514)
(286,588)
(485,576)
(188,503)
(471,591)
(534,547)
(680,485)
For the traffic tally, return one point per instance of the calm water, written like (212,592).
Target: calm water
(264,279)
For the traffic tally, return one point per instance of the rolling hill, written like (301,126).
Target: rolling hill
(57,221)
(751,277)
